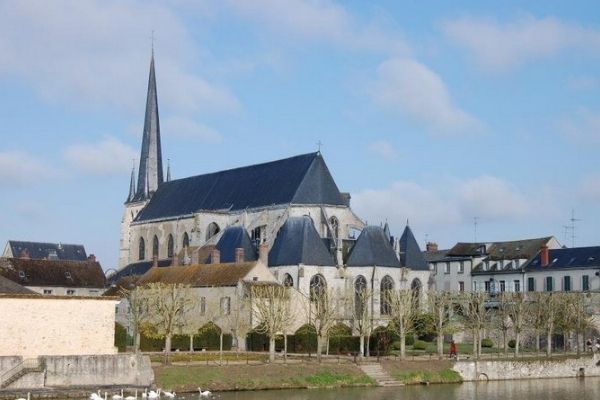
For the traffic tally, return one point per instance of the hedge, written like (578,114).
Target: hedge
(120,337)
(208,340)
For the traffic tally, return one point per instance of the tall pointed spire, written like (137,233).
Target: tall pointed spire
(168,170)
(131,186)
(150,173)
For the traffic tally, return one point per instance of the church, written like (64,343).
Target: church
(290,208)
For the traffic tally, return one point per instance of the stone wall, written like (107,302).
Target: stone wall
(528,369)
(35,326)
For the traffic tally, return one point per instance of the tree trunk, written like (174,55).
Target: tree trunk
(537,342)
(272,349)
(504,341)
(475,345)
(479,334)
(221,348)
(327,346)
(368,345)
(440,345)
(549,343)
(167,349)
(319,348)
(362,346)
(285,348)
(402,343)
(192,342)
(136,341)
(579,342)
(517,342)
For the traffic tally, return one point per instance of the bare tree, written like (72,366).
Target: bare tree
(550,307)
(167,304)
(137,311)
(361,312)
(403,311)
(475,317)
(517,308)
(535,315)
(239,321)
(501,318)
(323,313)
(575,317)
(440,304)
(271,304)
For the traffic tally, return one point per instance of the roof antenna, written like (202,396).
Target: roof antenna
(571,227)
(319,144)
(475,221)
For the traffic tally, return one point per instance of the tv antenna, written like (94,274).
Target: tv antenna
(475,221)
(571,228)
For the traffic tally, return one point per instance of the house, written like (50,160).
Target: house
(44,251)
(56,277)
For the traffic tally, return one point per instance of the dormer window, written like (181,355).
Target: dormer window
(67,275)
(22,274)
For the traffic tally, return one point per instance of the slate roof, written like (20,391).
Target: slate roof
(467,249)
(567,258)
(137,269)
(203,275)
(516,249)
(124,283)
(303,179)
(435,256)
(40,250)
(372,248)
(235,237)
(298,242)
(9,287)
(53,272)
(410,253)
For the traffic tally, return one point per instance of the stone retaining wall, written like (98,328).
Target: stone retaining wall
(528,369)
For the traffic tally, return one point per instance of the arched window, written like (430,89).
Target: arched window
(360,287)
(186,240)
(318,285)
(416,287)
(212,230)
(288,281)
(170,246)
(155,246)
(142,249)
(387,285)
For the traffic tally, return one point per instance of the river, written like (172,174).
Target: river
(541,389)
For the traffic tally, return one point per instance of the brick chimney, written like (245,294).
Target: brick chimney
(431,246)
(544,256)
(154,261)
(92,258)
(263,253)
(239,255)
(24,254)
(215,256)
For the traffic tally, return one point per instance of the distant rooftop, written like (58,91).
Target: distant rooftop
(42,250)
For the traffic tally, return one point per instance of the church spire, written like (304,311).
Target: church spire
(168,170)
(131,186)
(150,173)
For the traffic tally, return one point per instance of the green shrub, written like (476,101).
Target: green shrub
(419,345)
(424,327)
(409,340)
(512,343)
(120,337)
(486,342)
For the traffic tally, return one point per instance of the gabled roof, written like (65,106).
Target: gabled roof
(298,242)
(138,268)
(232,238)
(53,272)
(468,249)
(516,249)
(372,249)
(9,287)
(410,253)
(125,283)
(40,250)
(203,275)
(303,179)
(567,258)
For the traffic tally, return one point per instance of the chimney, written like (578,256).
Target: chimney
(215,256)
(544,256)
(239,255)
(92,258)
(154,261)
(431,246)
(24,254)
(263,253)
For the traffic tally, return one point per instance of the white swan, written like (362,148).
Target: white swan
(170,395)
(118,396)
(95,396)
(132,397)
(145,394)
(205,393)
(28,397)
(154,395)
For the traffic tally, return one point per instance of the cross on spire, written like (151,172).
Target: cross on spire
(319,144)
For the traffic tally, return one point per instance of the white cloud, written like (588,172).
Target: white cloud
(383,149)
(92,52)
(320,20)
(109,156)
(583,126)
(188,128)
(412,88)
(450,202)
(501,47)
(21,169)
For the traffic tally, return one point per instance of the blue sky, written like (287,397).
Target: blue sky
(435,112)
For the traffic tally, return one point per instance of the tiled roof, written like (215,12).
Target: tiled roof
(39,250)
(53,272)
(232,238)
(516,249)
(138,268)
(9,287)
(298,242)
(124,283)
(410,253)
(372,248)
(203,275)
(567,258)
(303,179)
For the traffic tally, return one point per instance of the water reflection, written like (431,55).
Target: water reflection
(542,389)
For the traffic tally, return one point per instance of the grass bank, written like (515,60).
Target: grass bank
(256,377)
(416,372)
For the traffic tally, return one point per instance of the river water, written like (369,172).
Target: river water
(540,389)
